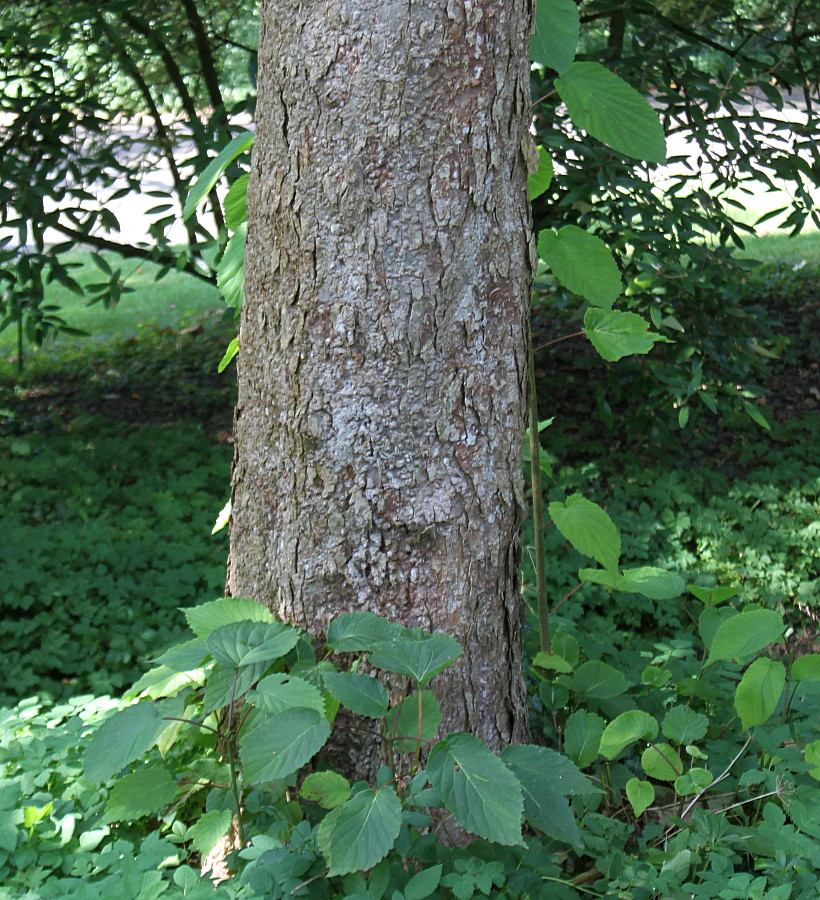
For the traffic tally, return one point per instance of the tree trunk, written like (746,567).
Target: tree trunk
(382,369)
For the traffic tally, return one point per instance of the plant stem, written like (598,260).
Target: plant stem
(538,514)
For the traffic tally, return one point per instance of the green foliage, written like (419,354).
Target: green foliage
(87,89)
(93,523)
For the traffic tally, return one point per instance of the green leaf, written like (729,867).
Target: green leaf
(582,737)
(625,729)
(142,793)
(120,740)
(812,756)
(640,795)
(357,631)
(713,596)
(477,788)
(551,661)
(555,39)
(361,694)
(421,657)
(696,779)
(657,584)
(403,720)
(542,178)
(204,619)
(230,273)
(230,352)
(756,415)
(236,212)
(612,111)
(423,884)
(185,657)
(616,334)
(245,643)
(582,263)
(546,779)
(226,685)
(588,528)
(710,620)
(277,746)
(662,761)
(599,681)
(360,832)
(209,828)
(806,668)
(328,789)
(684,726)
(565,645)
(746,633)
(278,692)
(214,170)
(759,691)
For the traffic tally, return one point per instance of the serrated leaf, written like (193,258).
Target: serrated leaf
(662,761)
(236,212)
(759,691)
(403,719)
(542,178)
(360,832)
(625,729)
(357,631)
(278,692)
(582,737)
(588,528)
(806,668)
(599,681)
(209,828)
(207,617)
(245,643)
(141,793)
(477,788)
(546,778)
(214,170)
(616,334)
(555,38)
(746,633)
(582,263)
(226,685)
(230,273)
(361,694)
(684,726)
(609,109)
(185,657)
(423,884)
(328,789)
(657,584)
(120,740)
(420,658)
(640,795)
(280,745)
(710,620)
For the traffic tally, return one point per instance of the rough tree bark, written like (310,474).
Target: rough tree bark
(382,369)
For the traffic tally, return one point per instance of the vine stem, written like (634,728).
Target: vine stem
(545,640)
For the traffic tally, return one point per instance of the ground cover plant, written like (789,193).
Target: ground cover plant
(750,833)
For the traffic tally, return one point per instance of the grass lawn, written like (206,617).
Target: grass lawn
(176,301)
